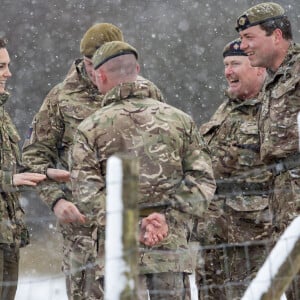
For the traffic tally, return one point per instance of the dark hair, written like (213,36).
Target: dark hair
(282,23)
(3,43)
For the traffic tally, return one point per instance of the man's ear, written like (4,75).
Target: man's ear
(102,75)
(138,68)
(277,33)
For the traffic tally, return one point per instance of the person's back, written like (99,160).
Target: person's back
(175,176)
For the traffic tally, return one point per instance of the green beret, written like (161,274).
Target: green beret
(111,50)
(258,14)
(233,48)
(97,35)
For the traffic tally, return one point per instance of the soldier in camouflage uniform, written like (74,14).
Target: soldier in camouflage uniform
(267,39)
(52,131)
(175,168)
(13,232)
(239,211)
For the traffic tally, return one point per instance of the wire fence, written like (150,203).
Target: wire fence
(37,284)
(214,276)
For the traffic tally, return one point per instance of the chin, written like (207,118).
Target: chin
(231,94)
(234,92)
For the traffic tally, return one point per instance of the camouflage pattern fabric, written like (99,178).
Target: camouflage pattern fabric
(174,162)
(50,137)
(280,137)
(85,282)
(13,232)
(239,212)
(9,271)
(158,286)
(233,139)
(243,263)
(280,144)
(52,130)
(12,227)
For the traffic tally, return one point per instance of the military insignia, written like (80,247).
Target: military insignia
(242,21)
(236,46)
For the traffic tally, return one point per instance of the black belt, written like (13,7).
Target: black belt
(242,188)
(285,164)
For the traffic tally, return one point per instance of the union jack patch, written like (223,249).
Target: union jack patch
(29,132)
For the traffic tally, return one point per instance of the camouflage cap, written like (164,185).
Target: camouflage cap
(233,48)
(258,14)
(97,35)
(111,50)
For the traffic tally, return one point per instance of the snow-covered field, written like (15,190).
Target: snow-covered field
(37,288)
(40,269)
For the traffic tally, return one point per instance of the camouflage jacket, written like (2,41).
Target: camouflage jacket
(280,137)
(51,134)
(242,179)
(12,228)
(281,104)
(240,209)
(175,166)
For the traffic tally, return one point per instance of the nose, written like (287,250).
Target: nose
(243,44)
(7,72)
(228,71)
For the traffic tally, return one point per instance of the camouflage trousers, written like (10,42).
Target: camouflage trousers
(161,286)
(225,264)
(81,265)
(164,286)
(9,271)
(225,273)
(242,264)
(285,206)
(210,274)
(87,281)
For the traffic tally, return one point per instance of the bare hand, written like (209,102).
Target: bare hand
(67,212)
(154,229)
(58,175)
(28,178)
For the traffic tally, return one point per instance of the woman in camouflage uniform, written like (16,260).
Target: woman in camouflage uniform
(13,232)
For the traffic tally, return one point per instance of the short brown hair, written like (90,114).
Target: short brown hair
(282,23)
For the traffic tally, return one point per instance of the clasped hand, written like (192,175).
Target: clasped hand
(154,229)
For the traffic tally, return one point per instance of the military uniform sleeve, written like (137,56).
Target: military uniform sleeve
(86,178)
(40,150)
(10,153)
(6,179)
(198,185)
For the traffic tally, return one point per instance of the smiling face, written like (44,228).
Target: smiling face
(4,68)
(244,81)
(260,48)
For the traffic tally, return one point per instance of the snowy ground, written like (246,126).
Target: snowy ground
(37,288)
(40,269)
